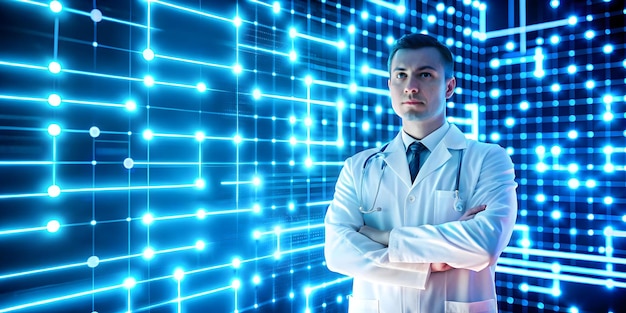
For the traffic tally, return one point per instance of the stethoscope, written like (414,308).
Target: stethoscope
(458,202)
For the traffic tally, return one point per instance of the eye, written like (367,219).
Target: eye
(401,75)
(425,75)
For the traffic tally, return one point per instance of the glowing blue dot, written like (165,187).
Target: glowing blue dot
(93,261)
(200,183)
(256,279)
(201,87)
(571,69)
(365,126)
(494,93)
(179,274)
(148,81)
(590,84)
(148,54)
(276,7)
(555,87)
(608,200)
(494,63)
(572,20)
(147,134)
(200,245)
(365,15)
(237,21)
(129,163)
(237,139)
(524,105)
(555,39)
(129,282)
(54,67)
(540,198)
(573,183)
(590,183)
(56,6)
(572,134)
(607,49)
(54,100)
(390,40)
(147,219)
(54,130)
(53,226)
(431,19)
(556,214)
(131,105)
(148,253)
(607,116)
(523,287)
(589,34)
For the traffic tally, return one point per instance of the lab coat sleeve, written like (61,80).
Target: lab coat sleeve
(346,250)
(474,244)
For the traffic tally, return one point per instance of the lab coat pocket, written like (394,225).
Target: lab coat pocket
(444,207)
(362,305)
(487,306)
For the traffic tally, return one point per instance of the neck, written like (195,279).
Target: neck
(420,129)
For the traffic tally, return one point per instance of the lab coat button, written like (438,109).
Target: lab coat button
(411,198)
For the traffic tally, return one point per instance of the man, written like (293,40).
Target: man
(428,245)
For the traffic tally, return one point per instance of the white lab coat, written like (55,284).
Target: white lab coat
(424,228)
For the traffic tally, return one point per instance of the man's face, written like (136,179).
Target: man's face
(418,85)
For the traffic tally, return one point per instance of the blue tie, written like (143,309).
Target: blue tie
(413,157)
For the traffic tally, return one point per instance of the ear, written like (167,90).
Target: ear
(450,86)
(389,83)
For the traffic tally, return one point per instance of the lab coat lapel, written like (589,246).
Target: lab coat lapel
(395,156)
(453,140)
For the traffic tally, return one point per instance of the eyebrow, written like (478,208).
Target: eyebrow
(425,67)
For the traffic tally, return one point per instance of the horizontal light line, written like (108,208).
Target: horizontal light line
(171,5)
(545,275)
(66,297)
(161,56)
(256,48)
(529,28)
(565,255)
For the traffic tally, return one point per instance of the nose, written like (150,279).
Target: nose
(411,87)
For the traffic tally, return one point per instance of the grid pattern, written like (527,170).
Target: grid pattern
(179,155)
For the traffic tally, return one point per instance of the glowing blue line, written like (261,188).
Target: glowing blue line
(191,10)
(528,28)
(127,188)
(149,22)
(24,195)
(22,230)
(102,75)
(24,65)
(320,40)
(382,92)
(181,299)
(105,104)
(538,289)
(35,3)
(191,61)
(256,48)
(321,245)
(378,72)
(66,297)
(385,4)
(21,98)
(42,270)
(292,98)
(563,268)
(569,278)
(320,202)
(565,255)
(12,163)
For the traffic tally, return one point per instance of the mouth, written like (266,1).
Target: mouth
(413,102)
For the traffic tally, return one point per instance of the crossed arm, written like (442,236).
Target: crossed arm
(382,236)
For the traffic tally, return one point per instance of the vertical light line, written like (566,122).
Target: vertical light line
(237,110)
(54,160)
(483,21)
(200,160)
(178,300)
(339,124)
(56,37)
(522,21)
(149,26)
(128,298)
(308,117)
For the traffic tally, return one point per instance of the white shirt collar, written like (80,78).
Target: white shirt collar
(430,141)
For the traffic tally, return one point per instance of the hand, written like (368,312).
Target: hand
(469,214)
(374,234)
(440,267)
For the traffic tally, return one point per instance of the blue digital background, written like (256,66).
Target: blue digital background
(178,156)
